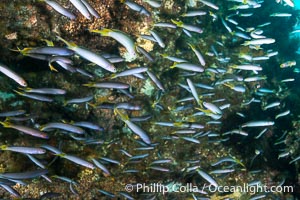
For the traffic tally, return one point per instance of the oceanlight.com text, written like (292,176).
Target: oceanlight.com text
(206,188)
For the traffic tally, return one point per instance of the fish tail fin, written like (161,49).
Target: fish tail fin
(174,65)
(113,76)
(60,155)
(192,46)
(52,68)
(246,43)
(24,51)
(18,92)
(5,124)
(92,105)
(48,42)
(88,84)
(103,32)
(69,44)
(177,23)
(3,147)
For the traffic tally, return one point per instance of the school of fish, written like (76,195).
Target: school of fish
(200,110)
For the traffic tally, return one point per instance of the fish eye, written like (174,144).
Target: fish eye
(23,83)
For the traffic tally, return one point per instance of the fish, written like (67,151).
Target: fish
(157,38)
(289,3)
(282,114)
(64,62)
(194,91)
(46,51)
(62,126)
(79,5)
(137,157)
(11,190)
(180,124)
(206,64)
(129,72)
(161,161)
(165,25)
(76,160)
(79,100)
(12,113)
(90,56)
(153,3)
(51,148)
(191,139)
(51,91)
(258,124)
(35,96)
(90,9)
(226,25)
(109,194)
(174,59)
(145,53)
(24,175)
(213,108)
(227,159)
(88,125)
(247,67)
(271,105)
(259,41)
(207,177)
(255,78)
(261,133)
(198,54)
(188,27)
(66,179)
(236,131)
(194,13)
(108,85)
(209,4)
(136,129)
(101,166)
(280,15)
(36,161)
(57,7)
(126,195)
(26,130)
(157,168)
(188,67)
(26,150)
(288,64)
(237,88)
(122,38)
(136,7)
(221,171)
(109,160)
(156,80)
(13,75)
